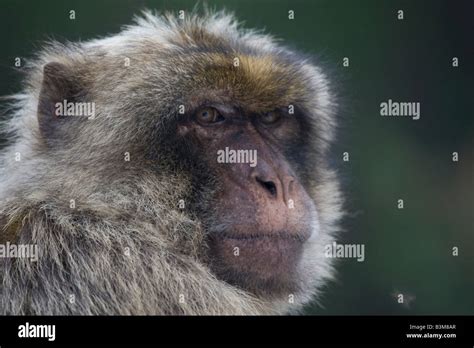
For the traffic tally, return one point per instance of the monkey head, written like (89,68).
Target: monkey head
(227,135)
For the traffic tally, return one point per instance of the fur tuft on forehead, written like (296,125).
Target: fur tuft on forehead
(211,29)
(216,50)
(256,83)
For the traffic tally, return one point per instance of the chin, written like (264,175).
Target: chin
(259,263)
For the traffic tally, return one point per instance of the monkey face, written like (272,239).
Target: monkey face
(261,214)
(256,137)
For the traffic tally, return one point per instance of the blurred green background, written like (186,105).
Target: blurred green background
(407,251)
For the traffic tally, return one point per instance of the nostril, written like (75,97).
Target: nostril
(269,186)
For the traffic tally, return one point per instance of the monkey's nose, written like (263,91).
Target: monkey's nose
(267,185)
(267,179)
(276,181)
(276,187)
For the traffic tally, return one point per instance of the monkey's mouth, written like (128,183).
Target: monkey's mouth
(258,262)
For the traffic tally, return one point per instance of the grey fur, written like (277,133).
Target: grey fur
(125,248)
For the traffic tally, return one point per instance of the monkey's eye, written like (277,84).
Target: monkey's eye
(270,118)
(208,116)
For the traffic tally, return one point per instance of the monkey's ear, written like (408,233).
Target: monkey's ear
(58,87)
